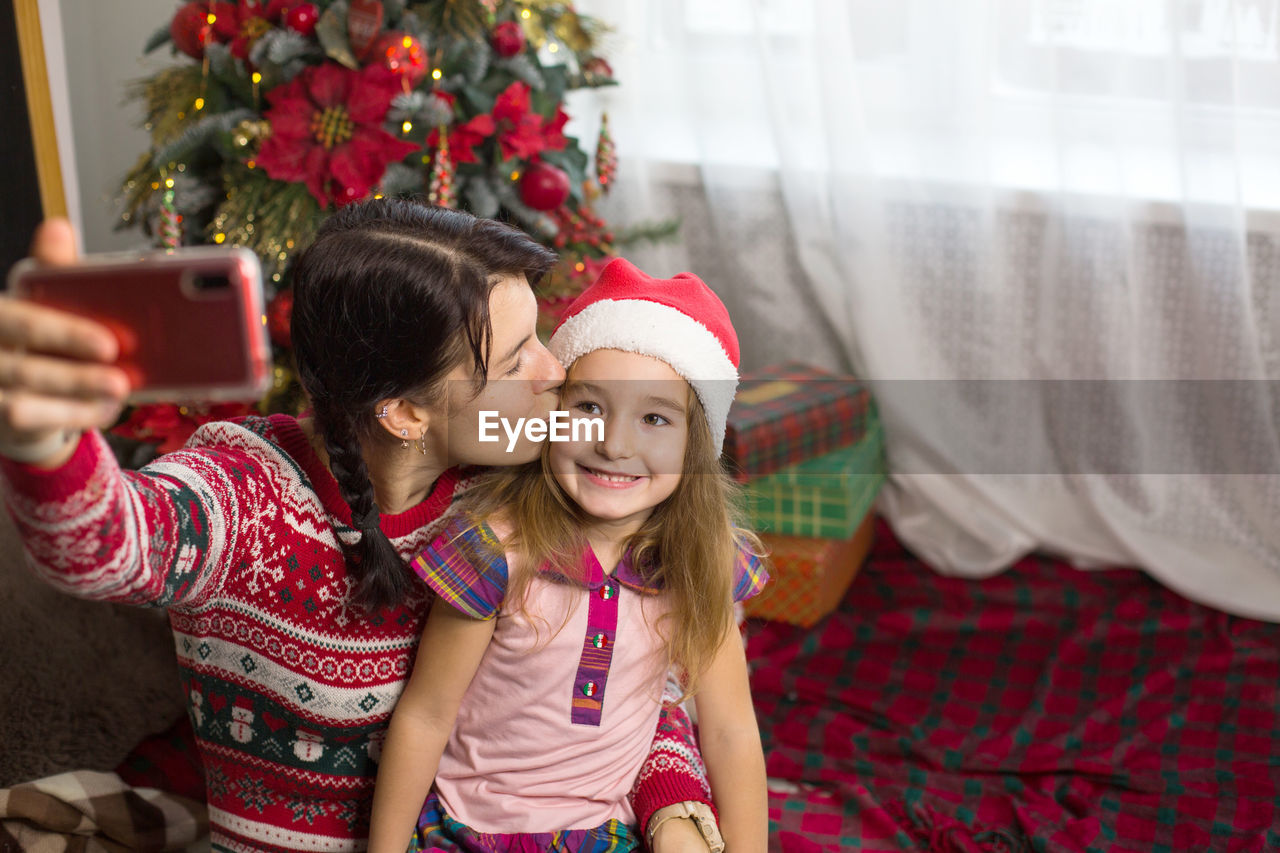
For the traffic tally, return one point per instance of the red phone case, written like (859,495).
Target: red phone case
(190,322)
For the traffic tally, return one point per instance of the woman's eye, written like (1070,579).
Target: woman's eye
(516,369)
(655,420)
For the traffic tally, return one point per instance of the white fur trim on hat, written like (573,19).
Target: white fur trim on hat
(665,333)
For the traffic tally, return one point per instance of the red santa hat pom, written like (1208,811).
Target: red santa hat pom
(677,320)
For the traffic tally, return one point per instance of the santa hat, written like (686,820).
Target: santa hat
(677,320)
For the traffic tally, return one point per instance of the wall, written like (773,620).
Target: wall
(102,48)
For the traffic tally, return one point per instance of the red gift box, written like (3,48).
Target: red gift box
(789,413)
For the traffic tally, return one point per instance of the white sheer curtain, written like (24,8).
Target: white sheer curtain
(1046,230)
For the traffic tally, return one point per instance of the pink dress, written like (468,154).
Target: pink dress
(554,727)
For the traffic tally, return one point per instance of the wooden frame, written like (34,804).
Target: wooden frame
(44,135)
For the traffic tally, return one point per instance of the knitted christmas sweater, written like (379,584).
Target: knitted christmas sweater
(289,687)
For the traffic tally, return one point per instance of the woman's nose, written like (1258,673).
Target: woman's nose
(547,373)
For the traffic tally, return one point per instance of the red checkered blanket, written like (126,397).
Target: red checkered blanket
(1043,709)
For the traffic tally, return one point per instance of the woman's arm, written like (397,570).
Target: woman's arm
(673,774)
(452,645)
(731,746)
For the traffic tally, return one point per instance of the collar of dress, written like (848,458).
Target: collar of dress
(594,577)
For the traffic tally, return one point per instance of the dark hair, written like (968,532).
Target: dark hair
(387,300)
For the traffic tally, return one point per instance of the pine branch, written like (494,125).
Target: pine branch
(663,231)
(465,19)
(197,136)
(158,39)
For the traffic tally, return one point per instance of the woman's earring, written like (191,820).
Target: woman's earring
(404,438)
(383,413)
(422,442)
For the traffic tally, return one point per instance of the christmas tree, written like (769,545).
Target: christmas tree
(280,111)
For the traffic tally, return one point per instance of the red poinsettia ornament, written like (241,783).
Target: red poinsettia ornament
(521,132)
(326,130)
(244,22)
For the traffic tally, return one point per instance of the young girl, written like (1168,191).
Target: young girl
(568,590)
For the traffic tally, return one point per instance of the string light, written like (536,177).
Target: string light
(526,14)
(436,73)
(219,238)
(406,127)
(257,77)
(168,182)
(553,47)
(199,104)
(515,174)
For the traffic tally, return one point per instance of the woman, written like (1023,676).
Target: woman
(279,545)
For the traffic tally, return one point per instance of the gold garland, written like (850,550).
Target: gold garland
(289,211)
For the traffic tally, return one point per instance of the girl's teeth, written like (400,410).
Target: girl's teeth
(615,478)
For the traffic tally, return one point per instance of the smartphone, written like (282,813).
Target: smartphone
(190,322)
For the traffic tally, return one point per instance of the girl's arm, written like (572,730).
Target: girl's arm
(731,746)
(452,645)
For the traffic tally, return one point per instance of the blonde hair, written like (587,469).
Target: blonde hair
(689,545)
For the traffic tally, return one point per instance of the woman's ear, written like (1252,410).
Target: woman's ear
(403,419)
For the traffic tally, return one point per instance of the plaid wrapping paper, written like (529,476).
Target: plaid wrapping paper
(809,575)
(825,497)
(1043,709)
(789,413)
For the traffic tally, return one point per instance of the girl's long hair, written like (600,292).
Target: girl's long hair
(390,297)
(689,544)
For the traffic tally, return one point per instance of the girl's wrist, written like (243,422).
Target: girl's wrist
(687,821)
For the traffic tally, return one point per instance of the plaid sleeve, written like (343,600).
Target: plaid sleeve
(749,575)
(467,567)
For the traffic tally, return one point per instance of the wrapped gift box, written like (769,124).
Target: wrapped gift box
(809,576)
(825,497)
(788,413)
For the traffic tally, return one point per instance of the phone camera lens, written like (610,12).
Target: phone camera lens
(214,281)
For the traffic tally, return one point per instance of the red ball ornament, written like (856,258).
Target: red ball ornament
(507,39)
(302,18)
(544,187)
(401,54)
(190,29)
(279,316)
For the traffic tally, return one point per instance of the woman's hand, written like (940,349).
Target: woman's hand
(678,835)
(56,376)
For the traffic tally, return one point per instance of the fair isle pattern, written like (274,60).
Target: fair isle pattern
(289,688)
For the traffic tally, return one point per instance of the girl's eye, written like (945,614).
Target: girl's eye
(587,407)
(655,420)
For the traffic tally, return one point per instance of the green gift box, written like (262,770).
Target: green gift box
(824,497)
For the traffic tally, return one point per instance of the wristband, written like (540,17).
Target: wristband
(38,451)
(699,813)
